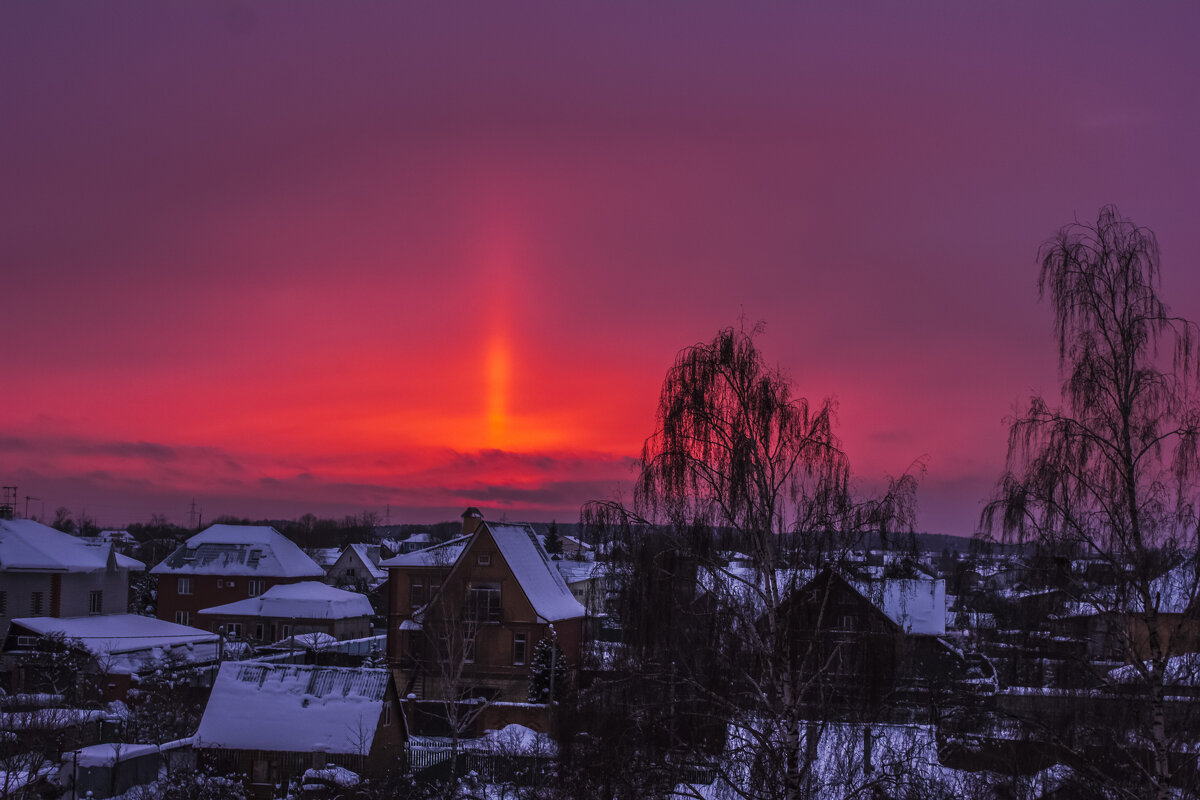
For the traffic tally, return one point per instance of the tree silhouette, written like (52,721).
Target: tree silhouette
(1109,472)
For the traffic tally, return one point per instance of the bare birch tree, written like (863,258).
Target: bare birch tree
(1110,471)
(735,456)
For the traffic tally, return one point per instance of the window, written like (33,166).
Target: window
(220,583)
(96,602)
(350,572)
(35,604)
(483,602)
(520,647)
(183,617)
(469,650)
(256,586)
(3,604)
(231,584)
(484,559)
(285,631)
(185,586)
(416,594)
(233,630)
(259,630)
(387,713)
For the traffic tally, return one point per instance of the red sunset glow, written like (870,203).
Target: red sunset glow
(294,258)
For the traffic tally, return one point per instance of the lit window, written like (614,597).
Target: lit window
(185,586)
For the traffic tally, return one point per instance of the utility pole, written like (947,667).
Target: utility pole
(27,499)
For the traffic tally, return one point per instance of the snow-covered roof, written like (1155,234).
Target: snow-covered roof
(1175,592)
(576,571)
(256,706)
(917,605)
(303,600)
(324,556)
(531,566)
(240,550)
(1182,670)
(29,545)
(127,643)
(313,640)
(442,555)
(369,555)
(105,755)
(116,536)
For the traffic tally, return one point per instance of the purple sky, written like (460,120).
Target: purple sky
(286,257)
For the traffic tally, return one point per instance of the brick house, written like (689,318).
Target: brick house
(290,610)
(869,643)
(465,616)
(226,563)
(358,566)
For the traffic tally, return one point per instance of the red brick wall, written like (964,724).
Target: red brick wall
(206,594)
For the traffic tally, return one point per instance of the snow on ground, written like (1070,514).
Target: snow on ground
(338,776)
(903,763)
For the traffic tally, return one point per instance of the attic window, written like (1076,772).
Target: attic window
(484,559)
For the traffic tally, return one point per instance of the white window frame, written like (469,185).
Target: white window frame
(184,585)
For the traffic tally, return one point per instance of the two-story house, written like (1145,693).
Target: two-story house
(465,616)
(226,563)
(47,573)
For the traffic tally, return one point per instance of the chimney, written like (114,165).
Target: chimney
(471,519)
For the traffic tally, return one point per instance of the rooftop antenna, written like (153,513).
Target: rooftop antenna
(8,502)
(192,516)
